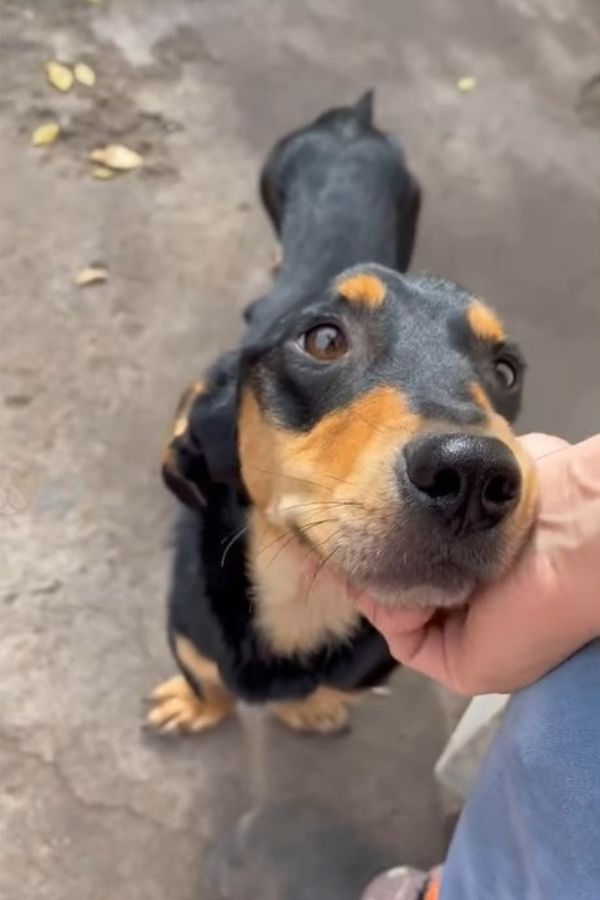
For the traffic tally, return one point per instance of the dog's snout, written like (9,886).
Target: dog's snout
(469,483)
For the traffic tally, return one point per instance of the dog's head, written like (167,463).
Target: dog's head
(373,425)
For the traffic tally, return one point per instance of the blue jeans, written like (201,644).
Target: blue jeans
(531,828)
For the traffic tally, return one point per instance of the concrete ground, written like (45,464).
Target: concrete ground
(90,806)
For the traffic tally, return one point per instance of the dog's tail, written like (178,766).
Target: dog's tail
(363,108)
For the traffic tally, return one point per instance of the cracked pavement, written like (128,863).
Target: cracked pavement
(91,806)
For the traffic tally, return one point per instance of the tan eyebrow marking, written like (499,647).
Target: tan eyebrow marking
(484,323)
(363,288)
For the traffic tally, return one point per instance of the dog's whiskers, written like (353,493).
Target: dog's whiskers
(235,537)
(318,571)
(279,550)
(291,536)
(325,503)
(323,487)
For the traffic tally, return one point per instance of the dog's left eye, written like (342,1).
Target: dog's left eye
(324,342)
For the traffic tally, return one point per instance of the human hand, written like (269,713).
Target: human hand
(548,606)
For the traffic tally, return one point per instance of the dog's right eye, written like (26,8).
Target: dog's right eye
(324,342)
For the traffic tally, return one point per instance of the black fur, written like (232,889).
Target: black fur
(338,192)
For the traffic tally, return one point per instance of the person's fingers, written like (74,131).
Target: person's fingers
(435,649)
(392,619)
(404,629)
(540,445)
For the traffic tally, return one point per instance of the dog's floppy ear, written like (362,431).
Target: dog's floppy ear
(201,450)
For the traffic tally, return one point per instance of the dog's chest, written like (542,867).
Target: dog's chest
(299,605)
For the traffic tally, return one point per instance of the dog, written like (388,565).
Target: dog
(358,435)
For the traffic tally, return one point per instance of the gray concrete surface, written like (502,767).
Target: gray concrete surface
(89,806)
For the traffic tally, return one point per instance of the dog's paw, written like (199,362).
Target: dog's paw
(176,709)
(324,712)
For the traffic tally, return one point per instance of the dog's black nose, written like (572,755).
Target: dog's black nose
(468,482)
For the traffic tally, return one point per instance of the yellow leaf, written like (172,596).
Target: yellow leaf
(101,173)
(116,156)
(59,76)
(84,74)
(45,134)
(90,275)
(466,83)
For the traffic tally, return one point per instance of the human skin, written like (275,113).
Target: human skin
(515,630)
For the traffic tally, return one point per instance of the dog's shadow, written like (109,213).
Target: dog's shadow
(327,815)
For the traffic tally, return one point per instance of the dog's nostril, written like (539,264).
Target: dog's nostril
(446,483)
(436,482)
(500,490)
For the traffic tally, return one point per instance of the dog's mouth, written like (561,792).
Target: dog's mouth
(405,561)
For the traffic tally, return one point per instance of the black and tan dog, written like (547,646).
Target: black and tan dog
(359,434)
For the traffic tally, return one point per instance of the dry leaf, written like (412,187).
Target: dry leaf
(84,74)
(90,275)
(466,83)
(45,134)
(59,76)
(102,173)
(382,690)
(116,156)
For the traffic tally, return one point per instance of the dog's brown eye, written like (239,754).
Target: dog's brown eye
(325,342)
(506,372)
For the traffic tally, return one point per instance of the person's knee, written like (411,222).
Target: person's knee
(551,721)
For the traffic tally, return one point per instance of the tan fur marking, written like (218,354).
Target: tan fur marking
(180,427)
(323,712)
(204,670)
(182,415)
(377,422)
(363,288)
(299,603)
(177,708)
(341,442)
(317,484)
(480,397)
(484,323)
(184,407)
(497,426)
(522,519)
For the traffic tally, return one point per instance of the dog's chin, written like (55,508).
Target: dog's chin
(418,578)
(424,596)
(410,569)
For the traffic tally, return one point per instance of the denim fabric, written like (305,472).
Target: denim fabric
(531,828)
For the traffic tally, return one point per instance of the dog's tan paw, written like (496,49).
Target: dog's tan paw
(178,710)
(324,712)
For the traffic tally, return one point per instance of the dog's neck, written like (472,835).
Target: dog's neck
(321,239)
(300,604)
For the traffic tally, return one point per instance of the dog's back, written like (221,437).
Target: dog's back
(338,192)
